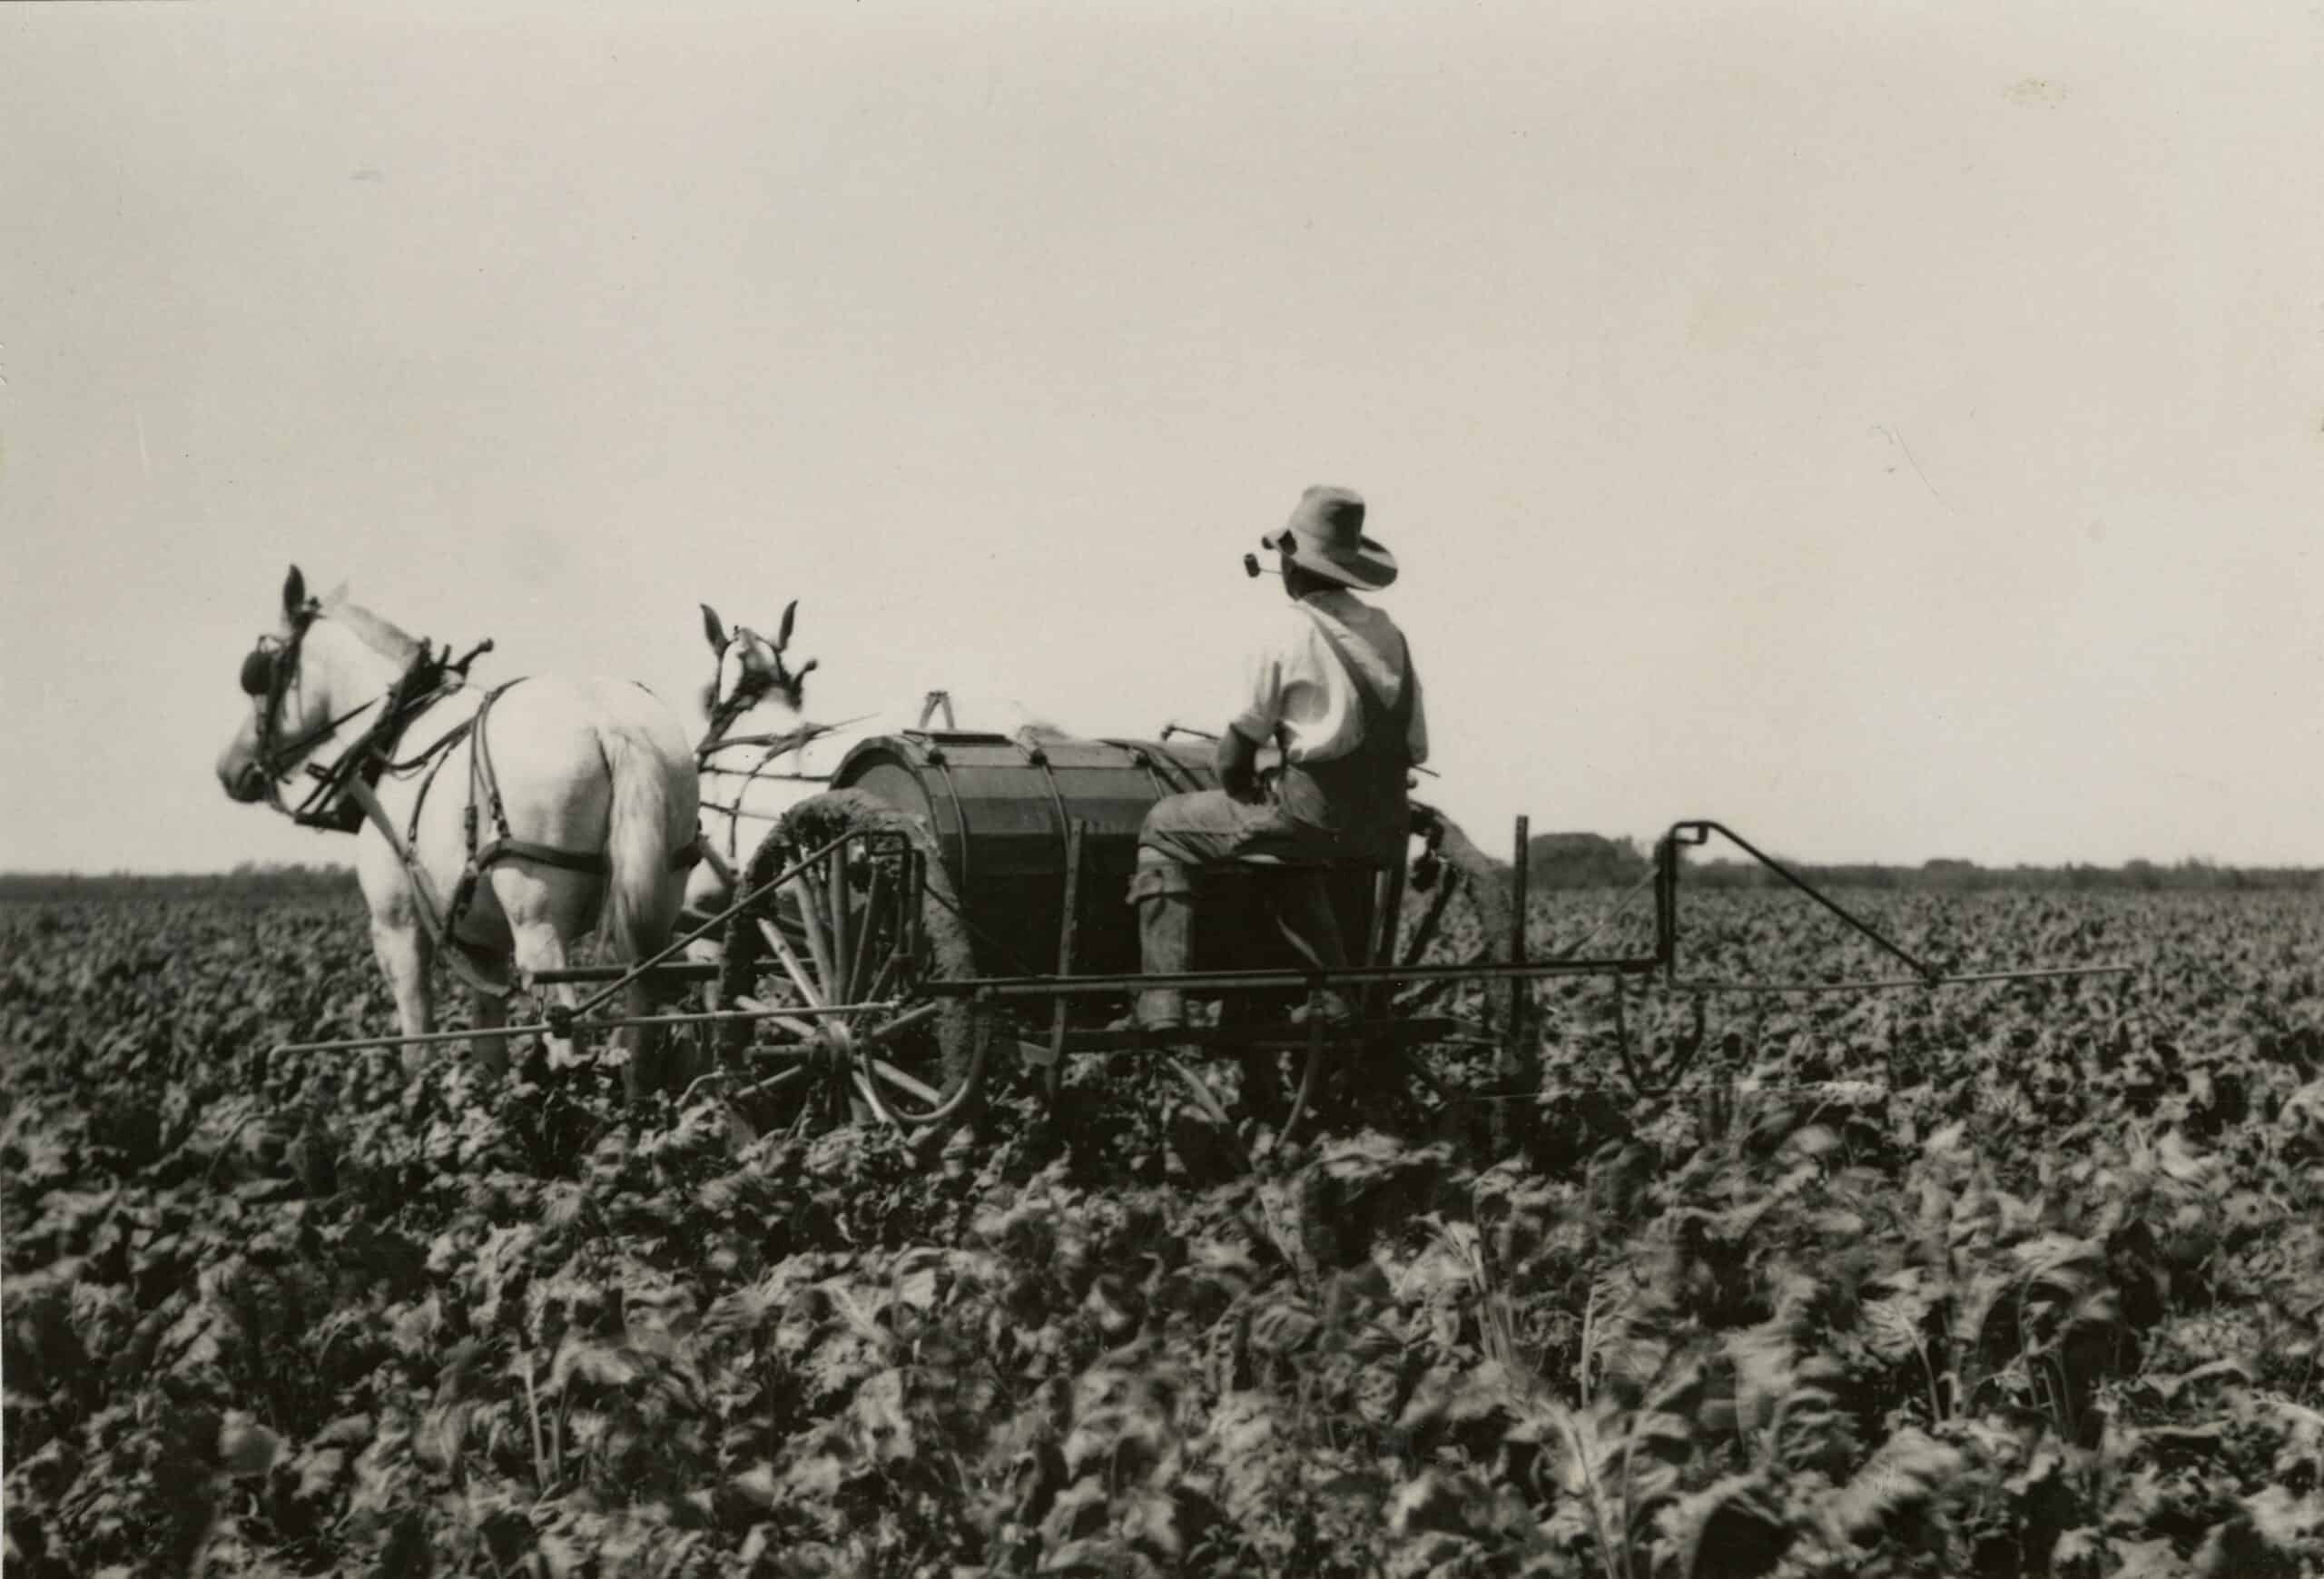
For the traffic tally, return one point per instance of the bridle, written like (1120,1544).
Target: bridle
(270,673)
(753,684)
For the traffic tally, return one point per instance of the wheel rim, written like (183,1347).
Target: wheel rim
(850,925)
(1461,919)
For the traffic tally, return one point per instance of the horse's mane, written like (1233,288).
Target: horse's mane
(378,635)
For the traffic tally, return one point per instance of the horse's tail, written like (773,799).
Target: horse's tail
(652,821)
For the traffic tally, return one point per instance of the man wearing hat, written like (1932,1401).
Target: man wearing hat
(1331,682)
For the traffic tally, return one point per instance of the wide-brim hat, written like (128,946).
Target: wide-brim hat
(1325,535)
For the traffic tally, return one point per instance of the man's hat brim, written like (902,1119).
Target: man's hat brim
(1368,566)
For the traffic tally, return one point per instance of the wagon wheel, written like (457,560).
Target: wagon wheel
(1455,911)
(1448,906)
(866,915)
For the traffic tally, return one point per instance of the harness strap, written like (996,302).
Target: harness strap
(484,783)
(497,850)
(484,787)
(441,922)
(442,753)
(431,919)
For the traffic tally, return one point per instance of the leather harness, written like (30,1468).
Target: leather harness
(345,792)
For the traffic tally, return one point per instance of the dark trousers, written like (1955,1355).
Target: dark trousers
(1210,828)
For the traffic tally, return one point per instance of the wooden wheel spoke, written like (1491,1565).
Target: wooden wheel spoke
(904,1082)
(881,980)
(869,1096)
(835,939)
(813,914)
(776,1081)
(791,1022)
(895,1028)
(843,929)
(792,963)
(869,941)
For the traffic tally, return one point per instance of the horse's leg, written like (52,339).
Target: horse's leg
(403,954)
(654,1053)
(539,946)
(489,1013)
(709,889)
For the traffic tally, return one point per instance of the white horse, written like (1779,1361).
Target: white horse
(754,753)
(760,755)
(514,821)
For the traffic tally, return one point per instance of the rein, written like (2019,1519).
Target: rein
(752,686)
(429,677)
(775,744)
(722,717)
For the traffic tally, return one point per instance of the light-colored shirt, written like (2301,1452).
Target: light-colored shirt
(1294,679)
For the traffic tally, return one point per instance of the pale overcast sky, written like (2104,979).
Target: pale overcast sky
(1896,431)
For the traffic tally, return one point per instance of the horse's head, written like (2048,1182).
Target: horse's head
(296,691)
(750,669)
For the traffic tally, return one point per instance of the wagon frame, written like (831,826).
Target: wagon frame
(890,1009)
(846,1035)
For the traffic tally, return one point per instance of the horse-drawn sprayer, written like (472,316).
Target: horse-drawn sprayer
(885,912)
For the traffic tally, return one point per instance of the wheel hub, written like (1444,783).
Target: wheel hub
(834,1047)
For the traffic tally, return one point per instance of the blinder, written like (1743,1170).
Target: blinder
(258,670)
(268,671)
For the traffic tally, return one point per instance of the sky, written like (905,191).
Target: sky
(1895,431)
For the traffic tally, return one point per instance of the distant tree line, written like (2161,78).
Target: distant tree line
(2193,876)
(251,882)
(1554,861)
(1558,861)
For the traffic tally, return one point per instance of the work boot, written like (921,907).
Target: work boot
(1165,913)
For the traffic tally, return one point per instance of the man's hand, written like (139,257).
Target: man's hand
(1237,760)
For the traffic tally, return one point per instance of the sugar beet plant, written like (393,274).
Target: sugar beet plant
(2014,1282)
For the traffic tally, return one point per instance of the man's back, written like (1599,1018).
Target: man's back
(1304,671)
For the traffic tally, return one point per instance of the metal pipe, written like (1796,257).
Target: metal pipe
(1222,981)
(655,961)
(702,1017)
(1704,828)
(677,970)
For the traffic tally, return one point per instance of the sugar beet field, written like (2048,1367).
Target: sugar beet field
(2013,1280)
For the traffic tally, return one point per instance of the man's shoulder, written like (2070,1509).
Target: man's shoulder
(1286,626)
(1368,622)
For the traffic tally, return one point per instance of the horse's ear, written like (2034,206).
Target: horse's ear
(336,595)
(712,631)
(805,669)
(783,635)
(294,594)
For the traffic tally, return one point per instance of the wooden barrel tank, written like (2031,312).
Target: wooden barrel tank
(1000,809)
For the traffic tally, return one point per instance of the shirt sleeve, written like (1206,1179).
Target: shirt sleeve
(1257,704)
